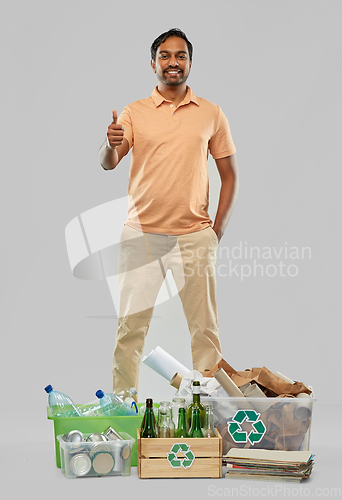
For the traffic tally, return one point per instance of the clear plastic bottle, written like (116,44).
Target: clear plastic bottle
(127,396)
(60,404)
(91,409)
(112,405)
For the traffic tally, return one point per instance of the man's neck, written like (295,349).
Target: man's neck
(175,93)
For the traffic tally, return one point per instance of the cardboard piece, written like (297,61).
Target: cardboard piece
(271,384)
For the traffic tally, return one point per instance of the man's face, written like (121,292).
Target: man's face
(172,64)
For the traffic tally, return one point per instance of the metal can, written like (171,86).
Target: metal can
(96,437)
(80,464)
(103,463)
(126,452)
(99,443)
(73,436)
(111,434)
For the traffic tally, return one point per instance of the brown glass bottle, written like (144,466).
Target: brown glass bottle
(149,426)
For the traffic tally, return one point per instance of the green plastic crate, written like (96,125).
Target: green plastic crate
(62,425)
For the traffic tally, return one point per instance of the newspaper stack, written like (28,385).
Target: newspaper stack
(268,465)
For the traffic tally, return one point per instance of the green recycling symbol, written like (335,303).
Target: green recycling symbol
(188,459)
(240,436)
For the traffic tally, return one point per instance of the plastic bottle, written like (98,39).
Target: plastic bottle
(112,405)
(91,409)
(60,404)
(127,396)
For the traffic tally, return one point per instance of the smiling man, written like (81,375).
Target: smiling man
(168,225)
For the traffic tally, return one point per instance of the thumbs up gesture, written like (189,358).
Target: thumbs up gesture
(115,132)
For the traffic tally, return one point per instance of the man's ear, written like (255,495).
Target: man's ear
(153,65)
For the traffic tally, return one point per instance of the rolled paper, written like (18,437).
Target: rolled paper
(283,377)
(231,388)
(176,380)
(164,364)
(303,409)
(254,391)
(244,387)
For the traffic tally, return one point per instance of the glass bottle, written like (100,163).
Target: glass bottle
(196,403)
(164,424)
(165,408)
(209,428)
(195,429)
(142,411)
(181,431)
(149,429)
(177,403)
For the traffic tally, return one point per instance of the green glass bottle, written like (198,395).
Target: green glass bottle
(149,430)
(196,403)
(181,431)
(196,430)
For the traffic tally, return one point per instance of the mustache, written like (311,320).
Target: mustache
(173,69)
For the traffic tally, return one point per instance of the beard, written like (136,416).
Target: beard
(172,81)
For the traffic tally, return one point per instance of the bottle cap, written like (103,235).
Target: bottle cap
(48,388)
(196,387)
(133,391)
(99,394)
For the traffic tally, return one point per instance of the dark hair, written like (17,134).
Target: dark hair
(161,38)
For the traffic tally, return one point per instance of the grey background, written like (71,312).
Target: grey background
(274,68)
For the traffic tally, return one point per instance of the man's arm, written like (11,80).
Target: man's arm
(115,146)
(228,171)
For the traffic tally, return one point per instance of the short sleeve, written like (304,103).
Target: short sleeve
(221,143)
(125,120)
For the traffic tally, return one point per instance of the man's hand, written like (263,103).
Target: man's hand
(115,132)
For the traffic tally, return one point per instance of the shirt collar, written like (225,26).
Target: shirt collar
(157,98)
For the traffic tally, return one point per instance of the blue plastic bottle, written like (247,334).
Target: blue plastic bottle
(60,404)
(113,405)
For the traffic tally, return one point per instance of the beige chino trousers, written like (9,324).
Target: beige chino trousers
(144,259)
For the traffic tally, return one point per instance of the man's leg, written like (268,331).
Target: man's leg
(196,281)
(140,277)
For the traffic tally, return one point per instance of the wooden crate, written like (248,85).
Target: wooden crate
(156,457)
